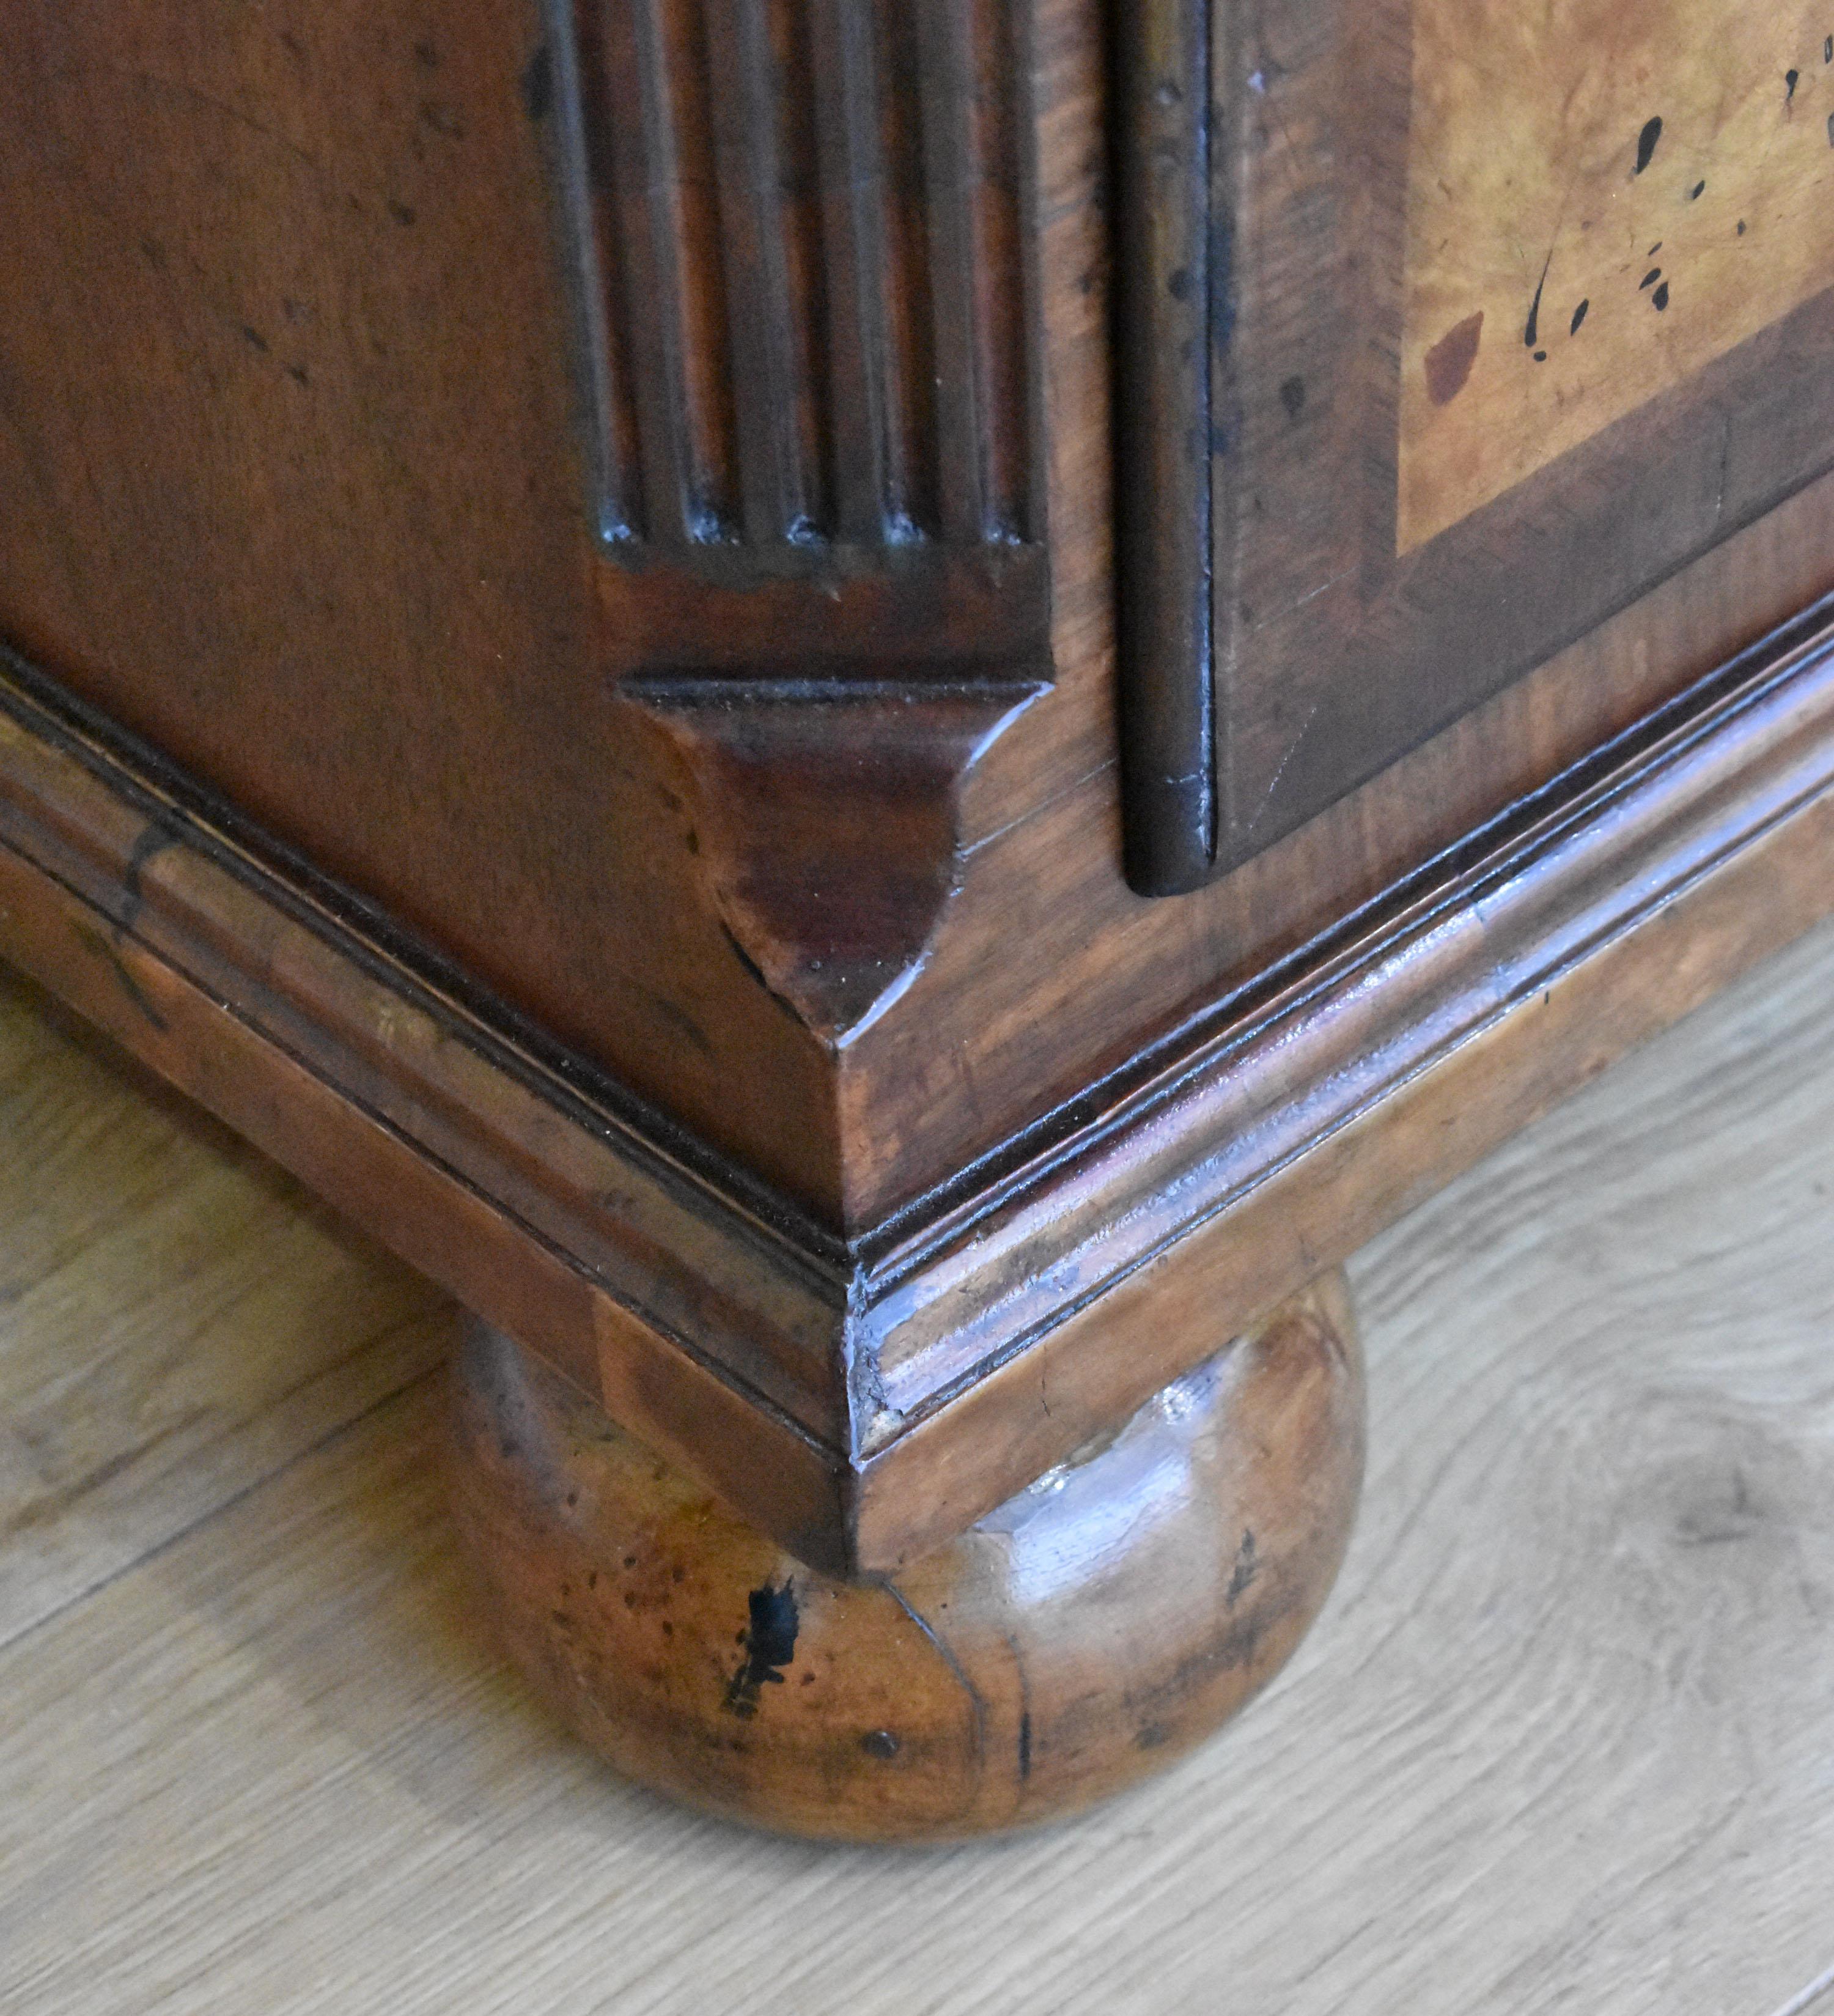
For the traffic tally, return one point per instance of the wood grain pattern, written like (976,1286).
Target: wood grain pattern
(1594,213)
(181,1322)
(371,609)
(1408,506)
(1081,1637)
(863,1402)
(1562,1741)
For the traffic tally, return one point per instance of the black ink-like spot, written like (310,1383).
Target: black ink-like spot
(154,837)
(1293,398)
(1828,50)
(1579,316)
(1649,278)
(1741,227)
(1540,357)
(1647,142)
(253,337)
(770,1645)
(1659,301)
(1791,79)
(1697,192)
(1531,335)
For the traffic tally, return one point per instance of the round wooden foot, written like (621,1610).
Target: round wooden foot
(1093,1628)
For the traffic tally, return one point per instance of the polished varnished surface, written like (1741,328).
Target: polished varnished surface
(1559,1740)
(864,1405)
(1408,367)
(1602,199)
(1084,1636)
(309,504)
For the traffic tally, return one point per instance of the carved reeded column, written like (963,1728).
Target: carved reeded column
(878,714)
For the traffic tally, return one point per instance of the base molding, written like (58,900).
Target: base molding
(864,1400)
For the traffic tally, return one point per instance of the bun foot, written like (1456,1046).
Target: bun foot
(1088,1632)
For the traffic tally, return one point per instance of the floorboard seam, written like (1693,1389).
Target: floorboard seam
(1797,2004)
(228,1504)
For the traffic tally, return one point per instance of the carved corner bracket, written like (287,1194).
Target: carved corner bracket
(805,238)
(825,821)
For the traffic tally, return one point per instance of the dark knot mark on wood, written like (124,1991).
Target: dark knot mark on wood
(1247,1567)
(769,1641)
(1449,361)
(537,84)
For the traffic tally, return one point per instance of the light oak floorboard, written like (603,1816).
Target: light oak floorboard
(178,1318)
(1563,1739)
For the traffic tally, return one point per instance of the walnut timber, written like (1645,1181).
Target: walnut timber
(1443,333)
(863,1401)
(571,574)
(1083,1635)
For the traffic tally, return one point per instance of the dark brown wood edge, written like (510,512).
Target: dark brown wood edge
(1288,1140)
(1172,296)
(863,1406)
(1396,647)
(166,795)
(1533,913)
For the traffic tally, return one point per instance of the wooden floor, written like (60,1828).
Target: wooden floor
(1564,1739)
